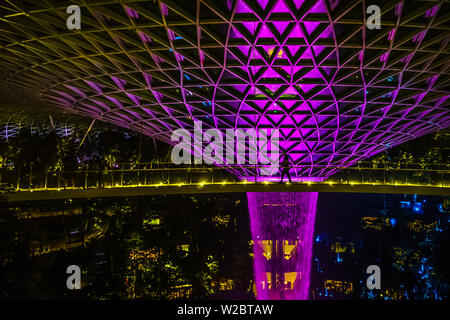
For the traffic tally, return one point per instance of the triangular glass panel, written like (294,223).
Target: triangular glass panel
(319,7)
(293,49)
(281,26)
(318,50)
(251,26)
(263,3)
(307,87)
(265,32)
(242,7)
(281,7)
(288,103)
(270,73)
(296,32)
(307,54)
(240,87)
(290,90)
(311,26)
(298,3)
(244,49)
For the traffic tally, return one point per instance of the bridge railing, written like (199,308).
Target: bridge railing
(159,174)
(403,176)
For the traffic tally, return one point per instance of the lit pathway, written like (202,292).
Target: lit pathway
(159,189)
(168,180)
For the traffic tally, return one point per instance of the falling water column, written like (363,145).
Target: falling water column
(282,225)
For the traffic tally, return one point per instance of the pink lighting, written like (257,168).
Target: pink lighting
(131,13)
(432,11)
(144,37)
(282,226)
(336,93)
(248,64)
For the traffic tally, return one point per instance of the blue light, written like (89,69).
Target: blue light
(178,38)
(405,204)
(187,77)
(418,207)
(393,221)
(317,238)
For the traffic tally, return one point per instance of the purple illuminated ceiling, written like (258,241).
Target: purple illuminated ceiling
(338,92)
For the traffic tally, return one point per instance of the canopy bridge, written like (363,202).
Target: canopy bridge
(119,180)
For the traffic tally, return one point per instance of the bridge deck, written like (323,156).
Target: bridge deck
(48,194)
(121,182)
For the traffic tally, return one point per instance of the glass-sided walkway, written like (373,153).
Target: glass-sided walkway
(165,178)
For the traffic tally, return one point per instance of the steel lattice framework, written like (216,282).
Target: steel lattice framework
(337,91)
(64,125)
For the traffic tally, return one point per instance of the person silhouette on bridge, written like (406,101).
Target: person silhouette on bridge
(285,167)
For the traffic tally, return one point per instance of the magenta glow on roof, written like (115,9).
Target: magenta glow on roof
(337,91)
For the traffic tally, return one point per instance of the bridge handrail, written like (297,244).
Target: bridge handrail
(87,177)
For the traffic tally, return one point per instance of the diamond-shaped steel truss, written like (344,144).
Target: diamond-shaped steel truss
(338,91)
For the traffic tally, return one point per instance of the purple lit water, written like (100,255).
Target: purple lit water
(282,225)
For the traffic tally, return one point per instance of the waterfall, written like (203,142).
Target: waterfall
(282,225)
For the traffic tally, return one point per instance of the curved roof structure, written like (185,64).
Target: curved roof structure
(338,91)
(65,125)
